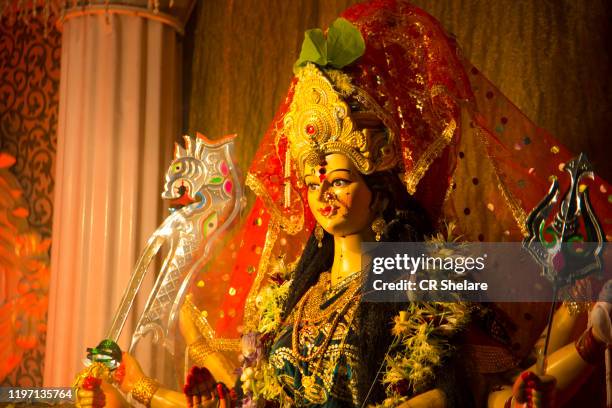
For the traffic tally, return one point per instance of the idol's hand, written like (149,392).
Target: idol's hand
(202,391)
(533,391)
(128,373)
(90,394)
(100,394)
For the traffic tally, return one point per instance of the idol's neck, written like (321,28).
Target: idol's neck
(347,255)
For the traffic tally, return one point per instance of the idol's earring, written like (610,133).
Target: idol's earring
(378,226)
(318,233)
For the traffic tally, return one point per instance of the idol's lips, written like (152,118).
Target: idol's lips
(328,210)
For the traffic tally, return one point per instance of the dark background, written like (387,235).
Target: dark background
(550,57)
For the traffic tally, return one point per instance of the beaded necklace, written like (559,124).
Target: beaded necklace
(309,312)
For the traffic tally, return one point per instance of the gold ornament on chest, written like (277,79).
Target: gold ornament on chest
(312,322)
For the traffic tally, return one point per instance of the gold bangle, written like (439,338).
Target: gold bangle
(144,389)
(226,344)
(199,350)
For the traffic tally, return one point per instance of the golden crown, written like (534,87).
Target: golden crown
(320,122)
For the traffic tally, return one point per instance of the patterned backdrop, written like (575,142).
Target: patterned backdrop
(29,89)
(29,99)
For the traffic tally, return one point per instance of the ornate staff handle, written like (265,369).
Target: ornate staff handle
(108,351)
(545,241)
(203,179)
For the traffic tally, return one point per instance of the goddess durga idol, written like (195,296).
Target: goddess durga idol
(381,134)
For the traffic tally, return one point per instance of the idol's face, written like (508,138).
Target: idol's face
(338,196)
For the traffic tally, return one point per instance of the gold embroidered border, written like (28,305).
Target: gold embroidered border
(323,373)
(200,321)
(277,221)
(206,330)
(432,152)
(277,217)
(250,308)
(518,213)
(449,189)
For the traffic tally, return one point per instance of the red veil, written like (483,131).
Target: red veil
(468,155)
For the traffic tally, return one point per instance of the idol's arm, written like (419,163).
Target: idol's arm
(222,368)
(567,365)
(163,398)
(430,399)
(563,325)
(564,365)
(146,390)
(560,364)
(149,393)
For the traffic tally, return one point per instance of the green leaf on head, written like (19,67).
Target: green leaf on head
(344,43)
(314,48)
(342,46)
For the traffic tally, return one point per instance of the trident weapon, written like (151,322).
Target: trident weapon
(202,178)
(558,247)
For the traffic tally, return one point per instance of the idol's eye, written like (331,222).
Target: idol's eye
(340,182)
(177,167)
(313,186)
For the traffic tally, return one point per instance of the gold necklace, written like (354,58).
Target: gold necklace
(341,305)
(312,312)
(318,394)
(346,281)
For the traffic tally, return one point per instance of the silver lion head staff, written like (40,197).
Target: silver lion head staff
(203,184)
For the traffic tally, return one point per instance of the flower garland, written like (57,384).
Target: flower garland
(421,337)
(421,345)
(257,376)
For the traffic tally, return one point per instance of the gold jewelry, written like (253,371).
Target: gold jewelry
(577,307)
(144,389)
(319,122)
(199,350)
(378,226)
(342,284)
(313,315)
(312,391)
(330,197)
(321,293)
(318,233)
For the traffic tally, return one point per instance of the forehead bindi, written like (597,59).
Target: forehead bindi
(334,163)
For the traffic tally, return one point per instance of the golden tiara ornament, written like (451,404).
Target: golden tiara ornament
(320,122)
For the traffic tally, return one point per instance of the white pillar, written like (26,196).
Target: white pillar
(119,114)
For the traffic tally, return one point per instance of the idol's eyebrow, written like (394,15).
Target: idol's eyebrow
(313,175)
(347,170)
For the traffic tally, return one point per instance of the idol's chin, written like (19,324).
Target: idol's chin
(339,228)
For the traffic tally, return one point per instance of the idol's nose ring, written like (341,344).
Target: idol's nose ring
(330,196)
